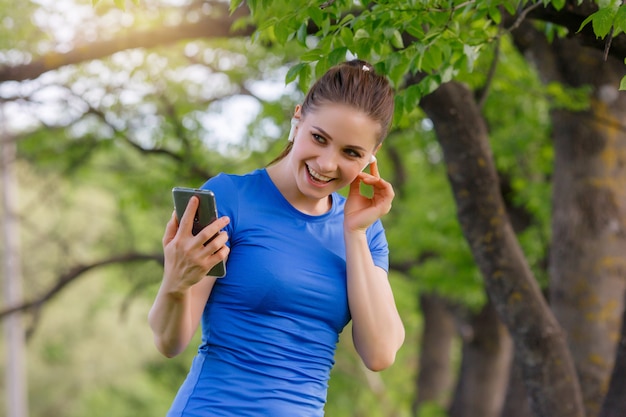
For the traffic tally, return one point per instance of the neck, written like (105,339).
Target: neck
(284,181)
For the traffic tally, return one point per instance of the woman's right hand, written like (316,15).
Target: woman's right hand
(187,259)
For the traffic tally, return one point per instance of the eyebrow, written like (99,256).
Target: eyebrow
(355,147)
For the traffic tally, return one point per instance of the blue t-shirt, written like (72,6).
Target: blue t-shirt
(271,325)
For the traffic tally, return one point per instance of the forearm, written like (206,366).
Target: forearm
(170,319)
(377,329)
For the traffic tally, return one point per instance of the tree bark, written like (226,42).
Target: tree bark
(548,371)
(614,404)
(434,379)
(586,262)
(516,400)
(482,384)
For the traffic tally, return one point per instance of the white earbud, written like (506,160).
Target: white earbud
(372,160)
(292,131)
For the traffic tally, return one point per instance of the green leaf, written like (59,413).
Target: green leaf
(347,18)
(584,23)
(430,84)
(338,55)
(94,2)
(361,34)
(396,40)
(448,74)
(494,13)
(293,72)
(302,34)
(471,53)
(602,21)
(120,4)
(346,36)
(510,6)
(284,31)
(620,18)
(317,15)
(398,67)
(622,84)
(304,79)
(267,24)
(312,55)
(234,4)
(413,95)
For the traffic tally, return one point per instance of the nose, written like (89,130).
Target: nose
(327,161)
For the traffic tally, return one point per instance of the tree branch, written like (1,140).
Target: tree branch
(218,24)
(73,274)
(571,17)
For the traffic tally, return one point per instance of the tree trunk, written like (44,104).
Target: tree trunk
(548,371)
(586,264)
(16,386)
(614,404)
(434,379)
(516,401)
(482,384)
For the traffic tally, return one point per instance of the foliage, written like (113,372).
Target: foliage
(436,39)
(608,21)
(95,177)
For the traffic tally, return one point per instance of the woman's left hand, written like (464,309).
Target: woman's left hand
(360,211)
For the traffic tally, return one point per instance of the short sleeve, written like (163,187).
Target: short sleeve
(226,198)
(379,248)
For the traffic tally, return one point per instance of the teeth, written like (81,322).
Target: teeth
(317,176)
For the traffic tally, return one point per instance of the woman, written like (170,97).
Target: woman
(302,262)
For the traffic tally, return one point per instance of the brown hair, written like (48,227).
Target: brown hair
(355,84)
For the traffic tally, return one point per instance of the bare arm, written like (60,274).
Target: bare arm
(377,328)
(185,289)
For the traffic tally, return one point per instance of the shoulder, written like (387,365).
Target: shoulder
(225,184)
(233,191)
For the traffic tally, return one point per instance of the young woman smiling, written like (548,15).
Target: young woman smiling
(302,261)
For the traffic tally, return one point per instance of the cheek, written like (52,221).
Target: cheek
(350,172)
(300,149)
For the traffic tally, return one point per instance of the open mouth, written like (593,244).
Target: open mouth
(317,177)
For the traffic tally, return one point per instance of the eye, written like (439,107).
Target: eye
(352,153)
(319,139)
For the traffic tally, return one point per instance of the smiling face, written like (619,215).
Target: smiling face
(331,146)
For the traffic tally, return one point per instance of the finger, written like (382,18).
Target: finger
(213,229)
(170,229)
(374,169)
(355,186)
(220,256)
(384,193)
(382,186)
(216,242)
(186,222)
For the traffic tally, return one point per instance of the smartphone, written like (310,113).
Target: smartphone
(205,215)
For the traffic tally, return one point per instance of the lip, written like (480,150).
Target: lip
(317,182)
